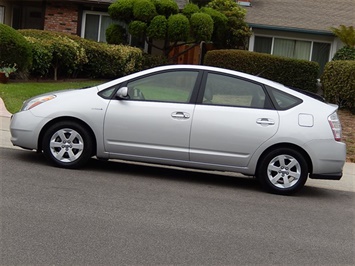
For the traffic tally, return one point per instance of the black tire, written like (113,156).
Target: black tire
(67,144)
(283,171)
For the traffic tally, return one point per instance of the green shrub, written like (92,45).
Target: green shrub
(14,49)
(98,60)
(202,26)
(178,27)
(116,34)
(345,53)
(137,28)
(219,26)
(144,10)
(338,81)
(68,56)
(150,61)
(190,9)
(291,72)
(42,57)
(157,28)
(121,10)
(166,7)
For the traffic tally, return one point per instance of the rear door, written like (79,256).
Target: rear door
(156,119)
(233,120)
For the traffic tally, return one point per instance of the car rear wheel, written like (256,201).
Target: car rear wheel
(67,144)
(283,171)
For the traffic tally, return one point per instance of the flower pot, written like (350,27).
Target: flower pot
(3,78)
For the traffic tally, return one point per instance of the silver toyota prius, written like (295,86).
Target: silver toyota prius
(190,116)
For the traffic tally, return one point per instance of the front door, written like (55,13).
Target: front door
(155,121)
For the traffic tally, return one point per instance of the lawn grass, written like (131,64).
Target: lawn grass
(14,93)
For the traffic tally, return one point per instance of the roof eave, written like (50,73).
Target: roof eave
(290,29)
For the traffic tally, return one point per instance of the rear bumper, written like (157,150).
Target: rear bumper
(332,176)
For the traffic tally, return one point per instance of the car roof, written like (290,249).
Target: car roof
(196,67)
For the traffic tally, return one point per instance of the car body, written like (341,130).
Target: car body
(190,116)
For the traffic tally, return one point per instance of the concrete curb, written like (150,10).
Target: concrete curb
(3,110)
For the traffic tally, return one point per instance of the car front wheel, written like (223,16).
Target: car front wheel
(283,171)
(67,144)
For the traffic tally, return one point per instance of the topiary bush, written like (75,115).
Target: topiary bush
(338,81)
(190,9)
(219,26)
(345,53)
(166,7)
(136,27)
(15,49)
(202,26)
(144,10)
(157,28)
(116,34)
(291,72)
(121,10)
(178,27)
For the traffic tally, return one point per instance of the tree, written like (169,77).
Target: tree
(161,20)
(237,32)
(345,34)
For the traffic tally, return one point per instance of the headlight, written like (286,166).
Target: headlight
(29,104)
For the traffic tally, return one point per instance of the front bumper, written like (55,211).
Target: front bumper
(25,129)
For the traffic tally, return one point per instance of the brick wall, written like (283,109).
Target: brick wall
(61,17)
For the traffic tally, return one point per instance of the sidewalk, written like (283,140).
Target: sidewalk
(347,182)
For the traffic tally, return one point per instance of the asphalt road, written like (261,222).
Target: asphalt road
(114,213)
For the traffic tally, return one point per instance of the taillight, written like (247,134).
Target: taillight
(335,125)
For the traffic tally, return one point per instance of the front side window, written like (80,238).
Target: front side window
(231,91)
(172,86)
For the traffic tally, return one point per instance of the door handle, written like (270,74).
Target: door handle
(180,115)
(265,121)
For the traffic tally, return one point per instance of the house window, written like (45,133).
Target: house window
(95,25)
(299,49)
(2,14)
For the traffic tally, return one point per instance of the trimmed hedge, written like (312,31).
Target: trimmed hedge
(14,49)
(290,72)
(338,82)
(90,58)
(345,53)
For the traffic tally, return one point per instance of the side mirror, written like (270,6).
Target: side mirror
(122,93)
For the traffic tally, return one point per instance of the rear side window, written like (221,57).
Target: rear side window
(283,100)
(232,91)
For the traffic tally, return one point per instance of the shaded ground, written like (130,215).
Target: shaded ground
(348,124)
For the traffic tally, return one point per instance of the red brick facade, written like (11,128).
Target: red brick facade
(61,17)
